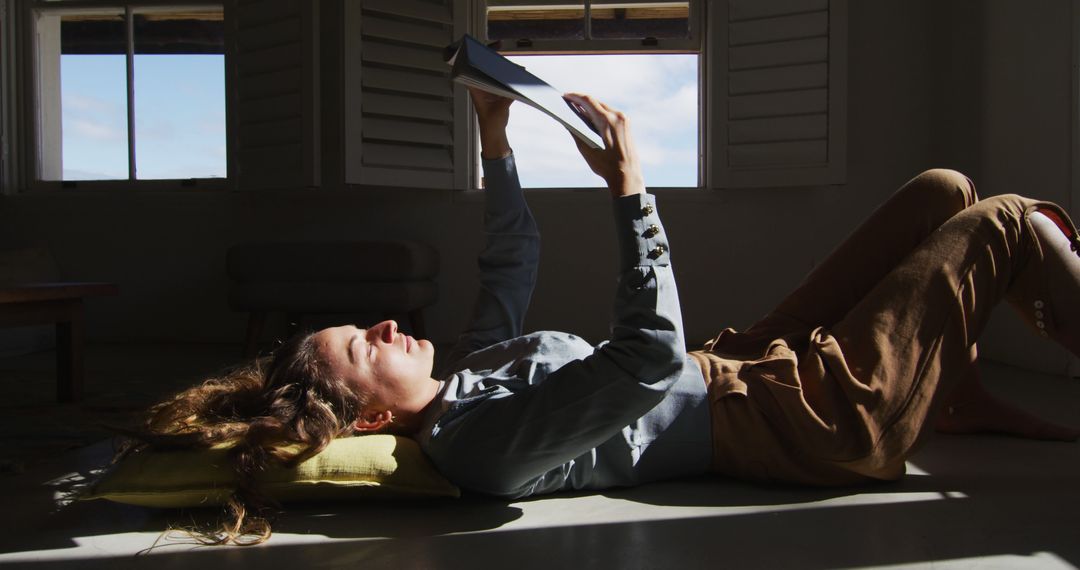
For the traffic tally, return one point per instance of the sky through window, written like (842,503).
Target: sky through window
(179,116)
(659,92)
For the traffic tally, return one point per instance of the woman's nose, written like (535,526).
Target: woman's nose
(389,331)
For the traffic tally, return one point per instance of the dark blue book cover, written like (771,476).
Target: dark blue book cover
(479,66)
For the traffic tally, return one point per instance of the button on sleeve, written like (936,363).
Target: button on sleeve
(642,240)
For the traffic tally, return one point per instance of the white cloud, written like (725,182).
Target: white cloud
(93,119)
(76,174)
(89,104)
(677,110)
(545,151)
(618,80)
(98,131)
(154,129)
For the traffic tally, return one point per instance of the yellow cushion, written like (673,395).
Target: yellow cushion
(370,466)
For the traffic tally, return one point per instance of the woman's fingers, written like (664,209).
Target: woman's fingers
(593,108)
(477,95)
(610,114)
(488,103)
(617,162)
(492,116)
(591,101)
(611,124)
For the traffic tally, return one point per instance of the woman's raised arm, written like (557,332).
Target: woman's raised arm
(508,262)
(540,438)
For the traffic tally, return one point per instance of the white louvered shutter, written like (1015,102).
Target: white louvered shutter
(399,100)
(778,92)
(275,90)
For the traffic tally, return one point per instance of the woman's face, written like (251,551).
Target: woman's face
(391,368)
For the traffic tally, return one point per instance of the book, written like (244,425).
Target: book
(477,65)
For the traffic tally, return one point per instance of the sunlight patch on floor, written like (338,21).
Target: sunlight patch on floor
(1035,560)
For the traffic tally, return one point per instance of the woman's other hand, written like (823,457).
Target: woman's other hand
(617,163)
(492,114)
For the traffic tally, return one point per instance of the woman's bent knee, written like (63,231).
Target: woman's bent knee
(1001,215)
(1005,206)
(945,188)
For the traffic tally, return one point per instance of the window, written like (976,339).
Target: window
(129,92)
(654,79)
(766,106)
(759,98)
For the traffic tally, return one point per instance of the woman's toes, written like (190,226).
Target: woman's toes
(1049,431)
(990,415)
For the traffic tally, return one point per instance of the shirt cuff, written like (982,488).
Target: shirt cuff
(642,240)
(502,189)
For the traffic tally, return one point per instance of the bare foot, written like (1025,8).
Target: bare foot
(983,413)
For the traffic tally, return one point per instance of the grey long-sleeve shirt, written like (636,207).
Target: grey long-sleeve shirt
(544,412)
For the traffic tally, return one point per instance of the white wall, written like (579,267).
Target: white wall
(1021,88)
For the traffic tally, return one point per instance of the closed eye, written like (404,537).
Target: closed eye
(350,349)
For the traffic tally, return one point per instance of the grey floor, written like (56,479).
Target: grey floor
(967,502)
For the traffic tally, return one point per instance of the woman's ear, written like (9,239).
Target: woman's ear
(373,421)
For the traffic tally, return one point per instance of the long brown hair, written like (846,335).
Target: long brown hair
(288,397)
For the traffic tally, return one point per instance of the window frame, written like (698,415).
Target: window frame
(27,150)
(695,44)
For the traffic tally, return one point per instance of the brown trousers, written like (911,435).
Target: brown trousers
(840,382)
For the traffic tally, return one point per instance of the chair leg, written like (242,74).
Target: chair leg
(254,329)
(69,354)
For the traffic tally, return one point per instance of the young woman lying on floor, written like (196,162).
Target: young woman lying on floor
(835,386)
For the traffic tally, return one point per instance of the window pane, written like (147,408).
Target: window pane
(179,94)
(627,20)
(93,97)
(562,21)
(658,92)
